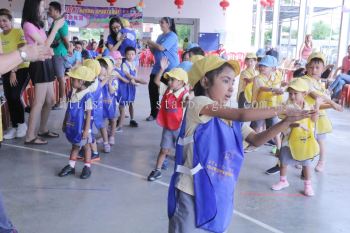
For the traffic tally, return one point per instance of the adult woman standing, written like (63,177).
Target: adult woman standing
(114,39)
(306,49)
(165,46)
(15,81)
(41,72)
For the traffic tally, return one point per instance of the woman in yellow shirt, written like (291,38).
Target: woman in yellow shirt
(15,81)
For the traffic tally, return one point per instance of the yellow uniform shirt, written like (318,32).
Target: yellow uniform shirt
(267,98)
(193,119)
(323,124)
(247,73)
(10,43)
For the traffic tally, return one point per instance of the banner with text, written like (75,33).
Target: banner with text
(98,17)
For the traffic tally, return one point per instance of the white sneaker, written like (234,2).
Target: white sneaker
(21,130)
(11,134)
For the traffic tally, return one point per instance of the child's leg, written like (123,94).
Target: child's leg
(104,134)
(113,123)
(94,146)
(86,172)
(131,111)
(308,191)
(121,117)
(321,161)
(69,169)
(161,157)
(283,183)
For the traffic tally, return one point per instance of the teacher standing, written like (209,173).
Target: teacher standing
(165,46)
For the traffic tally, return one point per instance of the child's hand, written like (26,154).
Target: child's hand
(164,63)
(338,107)
(278,91)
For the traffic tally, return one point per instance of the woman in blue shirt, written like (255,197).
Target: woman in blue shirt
(165,46)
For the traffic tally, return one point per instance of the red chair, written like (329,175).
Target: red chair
(345,96)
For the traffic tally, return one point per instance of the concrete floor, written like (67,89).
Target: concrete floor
(117,198)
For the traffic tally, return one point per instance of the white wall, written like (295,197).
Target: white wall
(235,25)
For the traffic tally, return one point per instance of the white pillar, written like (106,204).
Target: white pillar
(344,31)
(275,23)
(310,14)
(262,28)
(257,25)
(301,25)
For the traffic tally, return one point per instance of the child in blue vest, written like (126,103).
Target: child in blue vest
(209,151)
(100,66)
(130,72)
(175,95)
(110,105)
(77,121)
(121,95)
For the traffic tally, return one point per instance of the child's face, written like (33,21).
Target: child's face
(250,63)
(130,56)
(175,84)
(118,62)
(186,57)
(222,88)
(103,73)
(296,97)
(315,69)
(77,83)
(265,70)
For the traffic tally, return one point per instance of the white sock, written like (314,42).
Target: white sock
(72,163)
(87,164)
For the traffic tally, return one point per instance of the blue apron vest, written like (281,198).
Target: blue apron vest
(97,112)
(76,119)
(122,93)
(131,87)
(215,172)
(109,103)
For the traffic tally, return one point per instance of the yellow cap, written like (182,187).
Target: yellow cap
(209,63)
(195,58)
(94,65)
(251,56)
(110,65)
(298,84)
(317,55)
(82,73)
(177,73)
(125,22)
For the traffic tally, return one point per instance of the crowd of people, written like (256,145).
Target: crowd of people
(194,108)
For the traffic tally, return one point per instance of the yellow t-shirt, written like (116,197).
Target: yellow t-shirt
(193,119)
(264,98)
(10,43)
(247,73)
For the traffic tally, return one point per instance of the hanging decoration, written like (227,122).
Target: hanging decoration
(224,4)
(179,4)
(79,2)
(111,2)
(267,3)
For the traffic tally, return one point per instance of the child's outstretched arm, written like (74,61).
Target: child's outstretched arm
(164,63)
(122,79)
(328,103)
(235,114)
(258,139)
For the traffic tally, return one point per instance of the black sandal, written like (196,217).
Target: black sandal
(49,134)
(34,142)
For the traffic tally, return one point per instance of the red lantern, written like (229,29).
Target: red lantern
(141,4)
(111,2)
(264,3)
(79,2)
(224,4)
(179,3)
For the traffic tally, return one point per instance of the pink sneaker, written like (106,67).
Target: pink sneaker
(111,140)
(320,166)
(308,191)
(280,185)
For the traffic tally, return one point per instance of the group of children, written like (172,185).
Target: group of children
(101,89)
(209,137)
